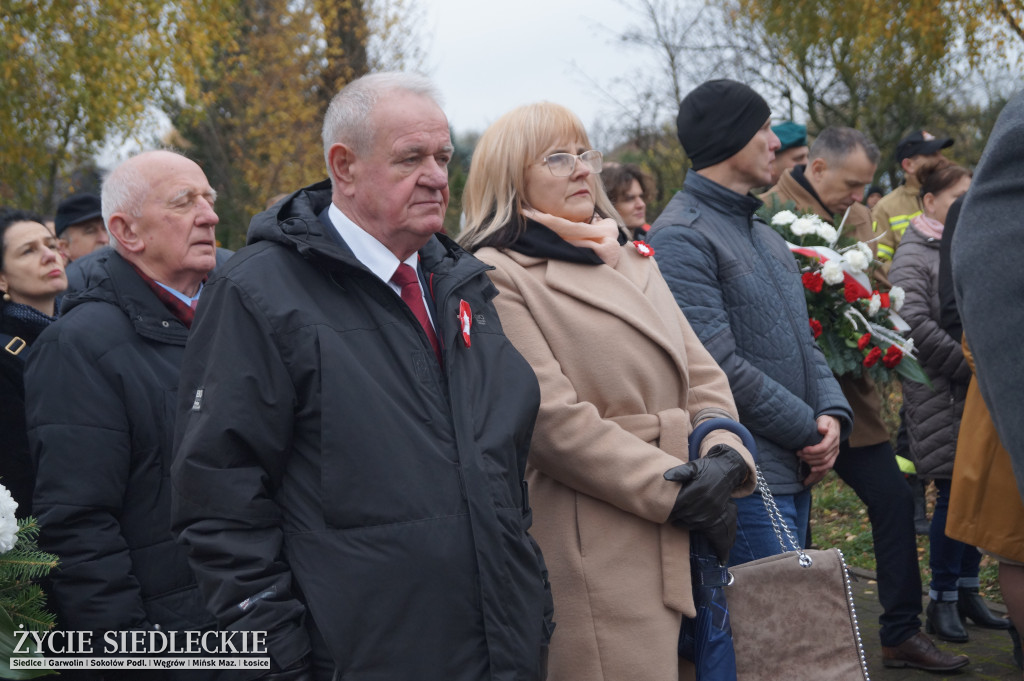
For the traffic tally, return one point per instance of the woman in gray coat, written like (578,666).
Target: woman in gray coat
(932,414)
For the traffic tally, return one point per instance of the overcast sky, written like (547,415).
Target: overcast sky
(490,57)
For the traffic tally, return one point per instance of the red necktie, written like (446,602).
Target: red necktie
(405,277)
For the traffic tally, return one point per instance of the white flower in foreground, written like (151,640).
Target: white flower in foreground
(8,523)
(832,272)
(864,249)
(874,305)
(856,260)
(827,232)
(784,218)
(804,226)
(896,298)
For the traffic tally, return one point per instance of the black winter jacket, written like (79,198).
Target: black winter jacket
(334,485)
(20,325)
(100,394)
(739,287)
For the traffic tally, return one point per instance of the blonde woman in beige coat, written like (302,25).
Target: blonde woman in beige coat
(623,381)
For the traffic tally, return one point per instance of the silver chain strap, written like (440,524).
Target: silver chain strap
(778,522)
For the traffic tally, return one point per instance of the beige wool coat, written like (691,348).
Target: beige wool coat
(622,378)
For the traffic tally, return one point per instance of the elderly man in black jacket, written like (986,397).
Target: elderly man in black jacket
(353,424)
(100,386)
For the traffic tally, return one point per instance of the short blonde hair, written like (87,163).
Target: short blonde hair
(493,199)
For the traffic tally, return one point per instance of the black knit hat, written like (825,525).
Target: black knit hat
(717,119)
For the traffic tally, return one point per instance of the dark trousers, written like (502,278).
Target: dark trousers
(872,473)
(954,564)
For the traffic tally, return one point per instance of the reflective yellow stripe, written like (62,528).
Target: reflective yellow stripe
(885,252)
(899,223)
(907,466)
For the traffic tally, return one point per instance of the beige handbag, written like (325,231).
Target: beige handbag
(792,614)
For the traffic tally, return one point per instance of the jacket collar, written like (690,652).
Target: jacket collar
(295,223)
(720,198)
(795,187)
(117,283)
(612,293)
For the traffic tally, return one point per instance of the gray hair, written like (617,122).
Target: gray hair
(348,117)
(835,144)
(124,190)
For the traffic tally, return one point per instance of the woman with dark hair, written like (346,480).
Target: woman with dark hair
(31,278)
(630,189)
(933,413)
(612,497)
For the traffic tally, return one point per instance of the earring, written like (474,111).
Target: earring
(7,297)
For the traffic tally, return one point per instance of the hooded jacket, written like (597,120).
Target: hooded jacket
(739,287)
(335,485)
(100,388)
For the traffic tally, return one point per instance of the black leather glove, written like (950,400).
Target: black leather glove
(703,502)
(297,671)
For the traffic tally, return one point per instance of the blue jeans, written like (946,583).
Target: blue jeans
(954,564)
(755,537)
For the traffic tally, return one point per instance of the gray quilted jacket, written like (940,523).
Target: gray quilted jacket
(932,417)
(739,287)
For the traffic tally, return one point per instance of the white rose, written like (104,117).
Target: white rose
(784,218)
(8,523)
(804,226)
(832,272)
(827,232)
(874,305)
(896,297)
(856,260)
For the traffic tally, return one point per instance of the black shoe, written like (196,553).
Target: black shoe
(971,605)
(919,652)
(1018,654)
(943,620)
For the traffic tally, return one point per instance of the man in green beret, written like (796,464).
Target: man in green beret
(793,152)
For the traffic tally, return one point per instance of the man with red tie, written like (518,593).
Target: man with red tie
(100,384)
(353,424)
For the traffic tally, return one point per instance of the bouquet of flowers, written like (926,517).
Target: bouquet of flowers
(22,603)
(856,326)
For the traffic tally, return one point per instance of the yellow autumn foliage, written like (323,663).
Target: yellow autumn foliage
(74,73)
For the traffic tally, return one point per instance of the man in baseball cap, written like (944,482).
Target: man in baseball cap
(79,225)
(894,211)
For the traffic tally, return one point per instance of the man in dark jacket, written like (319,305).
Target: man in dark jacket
(351,449)
(739,287)
(100,388)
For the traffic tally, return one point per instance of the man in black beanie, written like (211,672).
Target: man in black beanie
(739,287)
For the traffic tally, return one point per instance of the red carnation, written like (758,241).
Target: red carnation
(892,357)
(815,327)
(885,300)
(850,291)
(813,281)
(873,357)
(863,341)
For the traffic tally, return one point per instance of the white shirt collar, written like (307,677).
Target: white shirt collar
(368,250)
